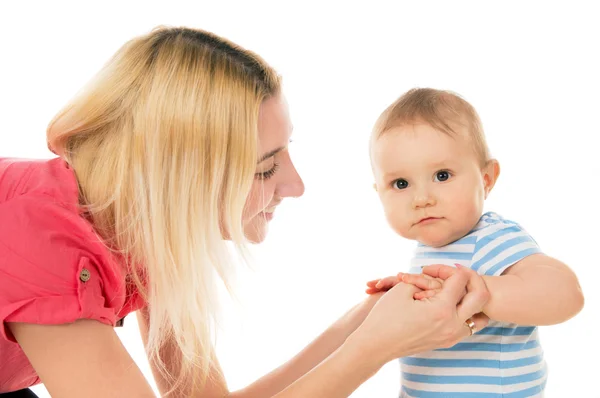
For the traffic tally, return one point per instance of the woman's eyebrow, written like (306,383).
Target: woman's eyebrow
(269,154)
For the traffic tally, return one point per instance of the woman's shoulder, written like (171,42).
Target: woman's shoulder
(55,268)
(40,213)
(50,178)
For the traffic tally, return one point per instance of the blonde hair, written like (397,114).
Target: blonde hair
(441,109)
(164,146)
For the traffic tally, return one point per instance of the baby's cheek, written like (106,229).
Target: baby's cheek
(398,220)
(469,210)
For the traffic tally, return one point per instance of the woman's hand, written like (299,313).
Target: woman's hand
(398,325)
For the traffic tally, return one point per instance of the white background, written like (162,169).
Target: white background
(530,69)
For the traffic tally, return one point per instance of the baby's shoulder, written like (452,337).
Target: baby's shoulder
(491,223)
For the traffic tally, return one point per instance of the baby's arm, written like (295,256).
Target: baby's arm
(537,290)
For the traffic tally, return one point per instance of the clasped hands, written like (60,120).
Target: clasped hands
(430,282)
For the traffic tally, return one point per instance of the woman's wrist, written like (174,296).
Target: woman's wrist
(364,346)
(348,323)
(356,361)
(341,373)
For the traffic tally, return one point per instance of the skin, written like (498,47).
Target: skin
(93,362)
(421,172)
(276,177)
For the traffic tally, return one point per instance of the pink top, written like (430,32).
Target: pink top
(53,268)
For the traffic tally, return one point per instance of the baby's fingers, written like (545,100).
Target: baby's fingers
(372,283)
(387,283)
(384,284)
(422,281)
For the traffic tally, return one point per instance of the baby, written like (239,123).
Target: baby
(433,171)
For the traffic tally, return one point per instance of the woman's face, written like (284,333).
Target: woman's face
(276,177)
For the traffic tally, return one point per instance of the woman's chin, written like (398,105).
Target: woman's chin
(256,234)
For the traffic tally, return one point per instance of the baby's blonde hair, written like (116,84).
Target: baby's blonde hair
(442,110)
(164,146)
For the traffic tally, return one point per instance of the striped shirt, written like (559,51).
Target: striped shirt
(502,360)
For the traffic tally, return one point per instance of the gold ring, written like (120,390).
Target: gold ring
(471,325)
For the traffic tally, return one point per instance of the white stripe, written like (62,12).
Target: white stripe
(453,248)
(495,339)
(437,371)
(420,262)
(523,386)
(505,356)
(452,387)
(487,226)
(504,255)
(498,324)
(490,388)
(488,229)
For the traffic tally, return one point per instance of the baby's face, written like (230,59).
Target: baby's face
(431,185)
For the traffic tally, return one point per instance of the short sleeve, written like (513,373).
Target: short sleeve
(500,245)
(53,268)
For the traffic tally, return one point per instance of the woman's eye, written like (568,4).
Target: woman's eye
(442,176)
(265,175)
(400,184)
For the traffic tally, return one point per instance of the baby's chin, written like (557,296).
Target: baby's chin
(441,236)
(437,241)
(434,244)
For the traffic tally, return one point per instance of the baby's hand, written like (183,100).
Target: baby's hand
(382,285)
(429,285)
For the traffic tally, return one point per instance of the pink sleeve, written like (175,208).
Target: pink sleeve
(53,270)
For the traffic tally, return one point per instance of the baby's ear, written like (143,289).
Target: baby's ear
(490,173)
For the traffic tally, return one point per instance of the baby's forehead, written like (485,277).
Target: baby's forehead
(422,144)
(421,134)
(455,128)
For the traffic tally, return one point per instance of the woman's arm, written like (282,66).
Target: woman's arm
(86,358)
(82,359)
(322,347)
(387,334)
(339,374)
(352,350)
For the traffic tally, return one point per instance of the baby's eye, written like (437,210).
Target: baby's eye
(442,175)
(400,183)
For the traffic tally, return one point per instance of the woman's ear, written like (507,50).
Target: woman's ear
(490,172)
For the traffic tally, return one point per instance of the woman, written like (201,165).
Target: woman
(179,144)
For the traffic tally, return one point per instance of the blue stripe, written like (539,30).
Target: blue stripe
(484,240)
(446,255)
(492,260)
(500,331)
(492,347)
(511,260)
(472,363)
(517,394)
(488,380)
(498,249)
